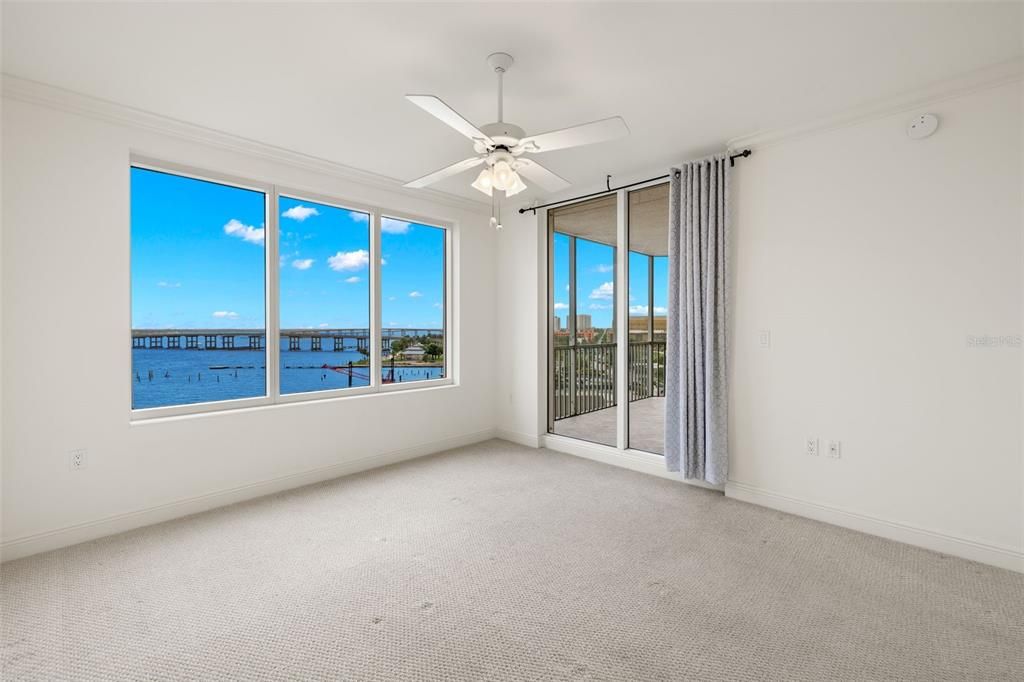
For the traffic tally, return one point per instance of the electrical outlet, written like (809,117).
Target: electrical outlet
(77,459)
(811,447)
(834,449)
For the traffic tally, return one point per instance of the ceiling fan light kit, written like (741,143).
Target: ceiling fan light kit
(501,146)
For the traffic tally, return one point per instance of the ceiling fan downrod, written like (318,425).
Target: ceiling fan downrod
(500,62)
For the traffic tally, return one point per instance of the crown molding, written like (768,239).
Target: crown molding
(34,92)
(959,86)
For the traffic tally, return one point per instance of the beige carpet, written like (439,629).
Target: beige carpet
(500,562)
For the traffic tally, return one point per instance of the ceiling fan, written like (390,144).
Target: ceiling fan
(503,146)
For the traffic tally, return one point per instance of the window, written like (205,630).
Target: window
(413,306)
(198,290)
(207,320)
(324,254)
(595,293)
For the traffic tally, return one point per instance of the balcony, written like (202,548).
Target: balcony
(584,400)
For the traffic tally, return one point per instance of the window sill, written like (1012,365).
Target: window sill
(159,415)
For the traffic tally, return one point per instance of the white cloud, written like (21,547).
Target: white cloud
(324,325)
(415,294)
(391,226)
(437,305)
(600,306)
(169,285)
(353,279)
(302,263)
(383,262)
(349,260)
(300,212)
(642,310)
(253,235)
(226,315)
(561,306)
(391,298)
(603,267)
(605,292)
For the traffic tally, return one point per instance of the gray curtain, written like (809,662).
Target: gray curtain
(696,418)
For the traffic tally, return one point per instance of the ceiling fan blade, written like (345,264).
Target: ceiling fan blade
(446,172)
(588,133)
(541,175)
(444,113)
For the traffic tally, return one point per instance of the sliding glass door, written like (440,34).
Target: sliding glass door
(599,391)
(647,230)
(582,391)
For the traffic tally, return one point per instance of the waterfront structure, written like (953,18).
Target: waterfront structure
(228,339)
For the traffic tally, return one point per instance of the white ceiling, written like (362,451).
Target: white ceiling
(328,79)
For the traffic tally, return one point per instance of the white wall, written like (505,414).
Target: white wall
(66,357)
(521,308)
(871,258)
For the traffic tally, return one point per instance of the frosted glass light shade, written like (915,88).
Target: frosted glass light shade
(517,186)
(484,182)
(503,175)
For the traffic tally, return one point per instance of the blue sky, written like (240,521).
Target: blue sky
(412,276)
(197,253)
(324,260)
(595,281)
(198,260)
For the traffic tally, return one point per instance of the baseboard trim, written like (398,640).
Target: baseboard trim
(634,460)
(527,439)
(28,545)
(994,555)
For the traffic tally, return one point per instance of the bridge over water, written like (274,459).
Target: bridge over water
(255,339)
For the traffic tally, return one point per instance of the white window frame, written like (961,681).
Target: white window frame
(272,331)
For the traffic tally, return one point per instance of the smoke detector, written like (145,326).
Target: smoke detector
(922,126)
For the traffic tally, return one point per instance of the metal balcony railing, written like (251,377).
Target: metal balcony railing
(646,370)
(583,376)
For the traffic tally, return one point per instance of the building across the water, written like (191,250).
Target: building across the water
(414,352)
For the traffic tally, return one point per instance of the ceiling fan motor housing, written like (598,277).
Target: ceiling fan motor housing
(504,134)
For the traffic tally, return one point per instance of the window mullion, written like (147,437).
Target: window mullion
(620,320)
(376,340)
(273,316)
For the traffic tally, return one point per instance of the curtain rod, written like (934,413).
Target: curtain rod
(608,180)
